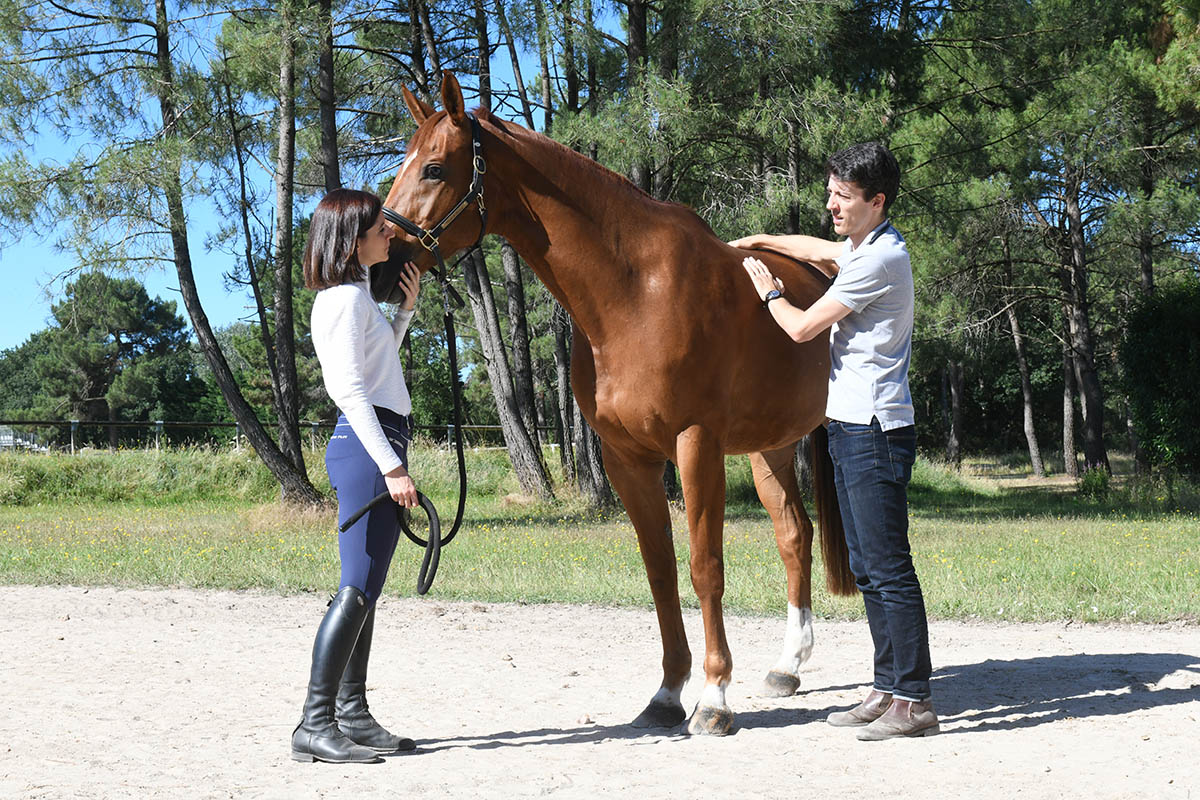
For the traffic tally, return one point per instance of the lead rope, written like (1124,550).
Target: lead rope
(429,240)
(433,545)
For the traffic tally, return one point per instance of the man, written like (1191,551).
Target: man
(872,440)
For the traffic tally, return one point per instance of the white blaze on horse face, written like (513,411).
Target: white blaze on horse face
(408,162)
(797,641)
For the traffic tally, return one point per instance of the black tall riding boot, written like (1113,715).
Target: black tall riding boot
(353,717)
(317,737)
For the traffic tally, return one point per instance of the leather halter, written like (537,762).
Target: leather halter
(429,239)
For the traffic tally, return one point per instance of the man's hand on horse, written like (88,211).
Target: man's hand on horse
(764,281)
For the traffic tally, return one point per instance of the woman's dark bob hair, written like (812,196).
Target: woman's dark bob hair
(331,254)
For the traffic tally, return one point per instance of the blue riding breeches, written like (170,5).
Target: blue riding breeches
(366,548)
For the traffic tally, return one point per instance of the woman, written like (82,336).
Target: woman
(367,454)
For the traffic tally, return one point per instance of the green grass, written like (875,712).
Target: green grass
(135,519)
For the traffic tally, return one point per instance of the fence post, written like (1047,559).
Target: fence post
(158,429)
(312,437)
(74,427)
(237,437)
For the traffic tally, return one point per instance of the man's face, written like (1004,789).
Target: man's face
(853,215)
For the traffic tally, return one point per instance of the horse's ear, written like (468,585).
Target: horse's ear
(419,109)
(452,98)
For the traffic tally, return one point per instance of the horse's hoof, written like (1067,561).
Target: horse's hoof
(779,684)
(660,715)
(711,721)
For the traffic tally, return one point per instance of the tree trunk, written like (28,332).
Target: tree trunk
(1070,466)
(1035,452)
(1082,339)
(326,99)
(293,482)
(252,273)
(288,407)
(593,82)
(416,38)
(793,159)
(671,14)
(765,159)
(637,55)
(483,61)
(522,450)
(561,322)
(112,429)
(1146,237)
(510,41)
(671,481)
(593,483)
(543,32)
(570,72)
(435,63)
(518,329)
(954,440)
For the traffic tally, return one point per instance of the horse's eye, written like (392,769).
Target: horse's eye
(433,172)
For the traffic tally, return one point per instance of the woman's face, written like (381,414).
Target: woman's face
(373,245)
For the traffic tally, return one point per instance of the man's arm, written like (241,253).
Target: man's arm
(798,323)
(821,253)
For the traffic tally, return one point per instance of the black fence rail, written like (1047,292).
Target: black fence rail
(75,435)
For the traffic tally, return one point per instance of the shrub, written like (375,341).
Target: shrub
(1094,484)
(1160,356)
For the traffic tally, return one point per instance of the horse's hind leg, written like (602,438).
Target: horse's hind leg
(775,480)
(639,484)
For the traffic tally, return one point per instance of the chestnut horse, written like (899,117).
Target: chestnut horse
(674,358)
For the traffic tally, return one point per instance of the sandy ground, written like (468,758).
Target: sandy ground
(111,693)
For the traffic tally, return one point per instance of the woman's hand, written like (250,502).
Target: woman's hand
(410,282)
(764,281)
(401,487)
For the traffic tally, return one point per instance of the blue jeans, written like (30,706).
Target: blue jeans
(871,469)
(366,548)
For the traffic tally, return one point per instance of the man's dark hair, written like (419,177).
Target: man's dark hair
(870,165)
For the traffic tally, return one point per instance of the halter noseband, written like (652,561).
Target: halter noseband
(429,238)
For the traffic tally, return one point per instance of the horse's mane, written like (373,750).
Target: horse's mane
(567,154)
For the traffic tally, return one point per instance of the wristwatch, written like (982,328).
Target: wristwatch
(774,294)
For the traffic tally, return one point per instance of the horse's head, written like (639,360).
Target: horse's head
(435,177)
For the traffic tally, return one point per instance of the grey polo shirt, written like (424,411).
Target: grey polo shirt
(871,347)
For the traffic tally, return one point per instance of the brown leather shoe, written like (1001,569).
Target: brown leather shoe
(864,713)
(903,718)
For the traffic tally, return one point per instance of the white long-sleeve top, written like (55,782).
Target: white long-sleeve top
(360,362)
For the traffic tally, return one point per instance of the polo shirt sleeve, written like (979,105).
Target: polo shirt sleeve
(861,279)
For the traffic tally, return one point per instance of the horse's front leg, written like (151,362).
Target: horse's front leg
(702,474)
(775,480)
(639,484)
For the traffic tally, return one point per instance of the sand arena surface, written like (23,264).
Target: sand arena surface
(111,693)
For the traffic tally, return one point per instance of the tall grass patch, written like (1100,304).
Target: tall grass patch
(982,552)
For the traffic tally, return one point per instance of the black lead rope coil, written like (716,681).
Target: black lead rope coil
(433,545)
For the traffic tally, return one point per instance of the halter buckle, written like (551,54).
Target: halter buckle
(428,241)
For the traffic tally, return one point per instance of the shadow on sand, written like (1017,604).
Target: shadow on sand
(992,695)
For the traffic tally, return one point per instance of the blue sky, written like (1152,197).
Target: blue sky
(32,263)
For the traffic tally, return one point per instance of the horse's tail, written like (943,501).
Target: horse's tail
(838,577)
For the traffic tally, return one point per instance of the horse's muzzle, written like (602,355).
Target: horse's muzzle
(385,276)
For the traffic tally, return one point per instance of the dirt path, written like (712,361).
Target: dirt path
(119,693)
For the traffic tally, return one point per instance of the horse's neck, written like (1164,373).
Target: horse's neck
(575,226)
